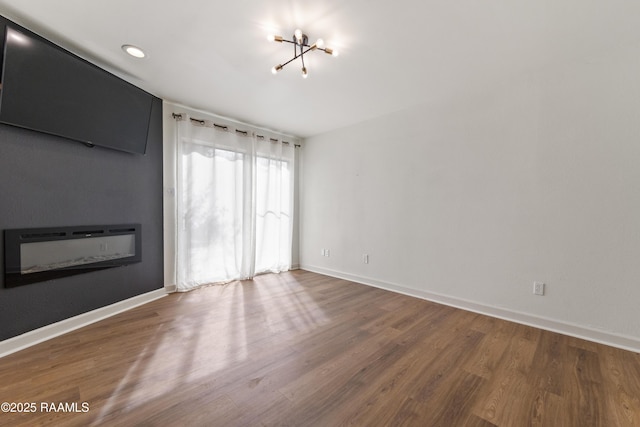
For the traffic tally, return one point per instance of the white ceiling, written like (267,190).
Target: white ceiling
(215,56)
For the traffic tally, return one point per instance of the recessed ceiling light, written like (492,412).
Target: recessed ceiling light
(133,51)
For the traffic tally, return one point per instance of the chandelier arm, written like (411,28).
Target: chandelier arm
(296,43)
(291,60)
(302,45)
(298,55)
(305,51)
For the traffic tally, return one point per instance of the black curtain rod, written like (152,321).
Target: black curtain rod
(179,116)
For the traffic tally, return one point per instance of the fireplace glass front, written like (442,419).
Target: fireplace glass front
(35,255)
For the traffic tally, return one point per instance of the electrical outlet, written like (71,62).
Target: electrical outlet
(538,288)
(327,253)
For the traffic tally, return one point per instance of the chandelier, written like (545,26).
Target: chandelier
(301,46)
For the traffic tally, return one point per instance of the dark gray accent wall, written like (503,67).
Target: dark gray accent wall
(48,181)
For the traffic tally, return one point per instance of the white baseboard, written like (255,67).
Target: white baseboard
(39,335)
(574,330)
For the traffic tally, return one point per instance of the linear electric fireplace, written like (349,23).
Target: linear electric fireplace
(39,254)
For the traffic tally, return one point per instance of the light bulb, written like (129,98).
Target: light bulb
(304,73)
(320,43)
(133,51)
(335,53)
(274,38)
(298,34)
(275,69)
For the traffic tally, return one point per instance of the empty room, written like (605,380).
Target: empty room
(297,213)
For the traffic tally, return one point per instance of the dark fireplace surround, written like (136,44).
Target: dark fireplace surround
(40,254)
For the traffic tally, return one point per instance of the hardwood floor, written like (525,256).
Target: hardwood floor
(301,349)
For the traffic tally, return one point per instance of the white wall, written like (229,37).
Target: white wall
(537,179)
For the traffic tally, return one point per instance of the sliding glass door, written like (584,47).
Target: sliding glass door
(234,206)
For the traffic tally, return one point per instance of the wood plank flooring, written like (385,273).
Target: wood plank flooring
(302,349)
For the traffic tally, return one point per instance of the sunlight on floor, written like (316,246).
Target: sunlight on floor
(229,322)
(305,315)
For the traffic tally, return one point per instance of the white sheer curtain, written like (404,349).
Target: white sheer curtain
(234,203)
